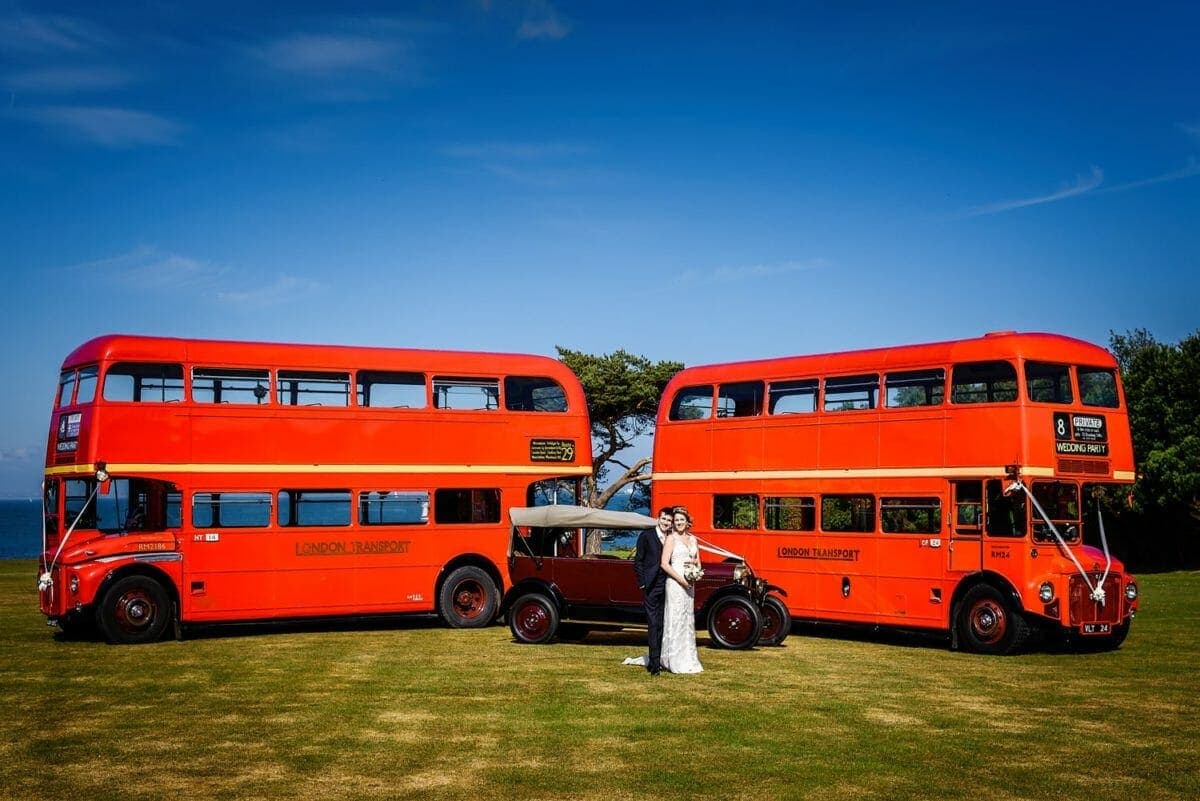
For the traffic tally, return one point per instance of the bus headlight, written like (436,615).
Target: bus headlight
(1046,592)
(1131,591)
(74,585)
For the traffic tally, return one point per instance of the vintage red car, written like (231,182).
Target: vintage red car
(572,572)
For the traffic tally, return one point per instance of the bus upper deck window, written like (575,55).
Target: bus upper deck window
(983,382)
(143,383)
(391,390)
(740,400)
(692,403)
(525,394)
(849,393)
(1048,383)
(219,385)
(466,394)
(298,388)
(66,388)
(1098,387)
(916,388)
(85,391)
(792,397)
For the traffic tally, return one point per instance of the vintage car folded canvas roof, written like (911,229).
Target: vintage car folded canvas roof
(567,516)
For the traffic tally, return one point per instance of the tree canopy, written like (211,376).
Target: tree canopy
(1162,392)
(623,391)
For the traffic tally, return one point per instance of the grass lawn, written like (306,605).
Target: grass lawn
(411,710)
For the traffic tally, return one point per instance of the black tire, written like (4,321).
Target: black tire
(533,619)
(134,610)
(988,623)
(734,622)
(468,599)
(777,621)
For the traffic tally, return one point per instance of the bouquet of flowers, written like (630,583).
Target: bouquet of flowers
(693,572)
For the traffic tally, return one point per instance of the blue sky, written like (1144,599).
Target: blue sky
(692,181)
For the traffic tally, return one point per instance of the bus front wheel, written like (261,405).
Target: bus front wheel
(468,599)
(988,623)
(135,609)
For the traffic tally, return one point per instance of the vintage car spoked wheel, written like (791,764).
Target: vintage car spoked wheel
(777,621)
(134,609)
(468,599)
(734,622)
(533,619)
(988,624)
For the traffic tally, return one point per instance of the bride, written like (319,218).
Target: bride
(680,553)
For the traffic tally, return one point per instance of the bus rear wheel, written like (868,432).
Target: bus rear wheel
(777,621)
(734,622)
(468,599)
(135,609)
(988,623)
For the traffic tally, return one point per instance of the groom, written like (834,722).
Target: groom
(652,581)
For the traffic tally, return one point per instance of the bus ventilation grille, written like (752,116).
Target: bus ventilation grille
(1084,466)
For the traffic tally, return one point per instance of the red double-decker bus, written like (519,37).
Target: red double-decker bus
(197,481)
(937,486)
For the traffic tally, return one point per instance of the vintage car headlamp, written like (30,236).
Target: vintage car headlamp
(740,571)
(1046,592)
(1131,591)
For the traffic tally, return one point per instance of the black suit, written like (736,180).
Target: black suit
(647,563)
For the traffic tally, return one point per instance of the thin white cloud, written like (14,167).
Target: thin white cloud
(332,54)
(68,79)
(18,455)
(148,268)
(1191,169)
(107,126)
(1080,186)
(747,272)
(543,22)
(48,33)
(1191,130)
(516,151)
(285,289)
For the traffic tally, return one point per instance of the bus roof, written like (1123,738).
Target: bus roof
(997,345)
(285,354)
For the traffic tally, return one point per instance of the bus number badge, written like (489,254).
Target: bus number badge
(1080,434)
(552,450)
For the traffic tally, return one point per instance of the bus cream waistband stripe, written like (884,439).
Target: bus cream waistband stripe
(875,472)
(118,469)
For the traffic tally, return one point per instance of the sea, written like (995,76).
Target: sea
(20,529)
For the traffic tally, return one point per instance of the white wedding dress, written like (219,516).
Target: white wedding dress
(679,618)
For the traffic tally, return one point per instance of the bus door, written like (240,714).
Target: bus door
(911,559)
(230,562)
(1005,532)
(966,527)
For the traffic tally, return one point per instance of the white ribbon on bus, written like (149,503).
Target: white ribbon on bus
(46,580)
(704,545)
(1097,589)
